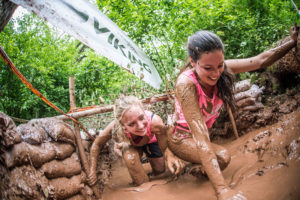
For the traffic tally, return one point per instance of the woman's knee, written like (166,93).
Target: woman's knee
(223,157)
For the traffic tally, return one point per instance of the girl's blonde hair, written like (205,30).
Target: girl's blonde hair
(121,105)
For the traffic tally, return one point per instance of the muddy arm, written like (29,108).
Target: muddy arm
(187,96)
(264,59)
(96,147)
(158,128)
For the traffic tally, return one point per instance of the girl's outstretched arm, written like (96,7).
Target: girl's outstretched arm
(95,149)
(265,59)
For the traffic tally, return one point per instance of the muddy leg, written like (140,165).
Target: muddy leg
(223,155)
(186,150)
(158,165)
(132,159)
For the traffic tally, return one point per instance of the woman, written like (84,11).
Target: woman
(135,131)
(201,90)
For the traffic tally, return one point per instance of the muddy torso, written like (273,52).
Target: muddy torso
(210,107)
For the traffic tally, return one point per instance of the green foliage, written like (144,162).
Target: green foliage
(47,57)
(161,28)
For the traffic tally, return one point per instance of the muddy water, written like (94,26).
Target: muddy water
(265,164)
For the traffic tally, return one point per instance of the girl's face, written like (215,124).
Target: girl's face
(209,67)
(134,120)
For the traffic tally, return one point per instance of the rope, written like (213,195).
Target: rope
(35,91)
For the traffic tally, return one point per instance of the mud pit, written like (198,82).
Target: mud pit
(265,164)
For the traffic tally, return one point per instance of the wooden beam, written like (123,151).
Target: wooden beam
(109,108)
(232,122)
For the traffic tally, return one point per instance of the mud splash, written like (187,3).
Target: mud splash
(265,164)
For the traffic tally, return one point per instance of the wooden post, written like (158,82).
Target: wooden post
(82,155)
(232,122)
(72,93)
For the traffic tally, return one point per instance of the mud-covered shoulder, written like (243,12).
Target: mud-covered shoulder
(157,124)
(184,87)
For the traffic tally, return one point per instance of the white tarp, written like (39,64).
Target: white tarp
(86,23)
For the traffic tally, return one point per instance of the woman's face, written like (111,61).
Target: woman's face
(209,67)
(134,120)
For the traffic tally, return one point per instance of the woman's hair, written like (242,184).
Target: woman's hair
(203,42)
(122,104)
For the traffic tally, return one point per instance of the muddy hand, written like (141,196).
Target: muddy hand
(118,149)
(92,179)
(229,194)
(175,164)
(294,30)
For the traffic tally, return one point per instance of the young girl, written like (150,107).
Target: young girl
(201,90)
(134,130)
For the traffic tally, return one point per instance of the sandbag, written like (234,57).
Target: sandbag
(68,187)
(32,134)
(246,102)
(26,181)
(255,107)
(24,153)
(8,132)
(63,150)
(66,168)
(253,92)
(242,86)
(58,130)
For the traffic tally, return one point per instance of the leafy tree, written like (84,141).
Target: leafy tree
(47,57)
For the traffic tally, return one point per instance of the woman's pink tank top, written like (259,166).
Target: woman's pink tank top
(209,118)
(152,137)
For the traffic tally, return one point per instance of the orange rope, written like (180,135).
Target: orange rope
(72,110)
(35,91)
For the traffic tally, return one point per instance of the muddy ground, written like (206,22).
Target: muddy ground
(265,164)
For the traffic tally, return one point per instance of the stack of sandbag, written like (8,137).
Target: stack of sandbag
(247,96)
(42,160)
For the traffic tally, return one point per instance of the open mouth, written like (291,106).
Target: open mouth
(142,132)
(214,79)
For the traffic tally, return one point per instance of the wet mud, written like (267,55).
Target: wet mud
(265,164)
